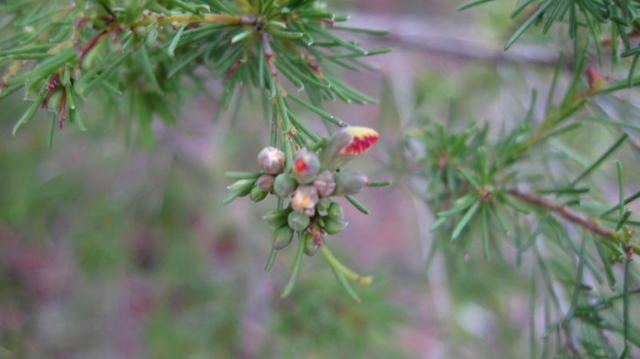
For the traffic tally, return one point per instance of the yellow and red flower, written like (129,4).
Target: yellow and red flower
(362,139)
(347,143)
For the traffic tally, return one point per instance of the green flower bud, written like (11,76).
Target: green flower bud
(334,225)
(323,206)
(257,194)
(241,187)
(306,166)
(336,210)
(284,185)
(298,221)
(282,237)
(310,246)
(349,182)
(277,217)
(325,184)
(265,183)
(304,200)
(271,159)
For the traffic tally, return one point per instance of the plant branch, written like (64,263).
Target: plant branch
(184,19)
(434,36)
(578,218)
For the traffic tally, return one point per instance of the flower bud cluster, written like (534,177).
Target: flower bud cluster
(307,185)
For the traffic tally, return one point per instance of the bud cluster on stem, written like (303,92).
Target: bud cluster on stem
(308,186)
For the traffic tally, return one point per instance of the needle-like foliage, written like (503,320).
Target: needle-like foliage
(521,195)
(137,56)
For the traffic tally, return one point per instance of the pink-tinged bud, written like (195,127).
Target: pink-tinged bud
(304,200)
(271,159)
(325,184)
(265,183)
(305,166)
(346,144)
(596,79)
(349,182)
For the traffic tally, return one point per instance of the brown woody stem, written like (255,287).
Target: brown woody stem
(578,218)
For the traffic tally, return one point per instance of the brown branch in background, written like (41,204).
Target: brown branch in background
(457,40)
(578,218)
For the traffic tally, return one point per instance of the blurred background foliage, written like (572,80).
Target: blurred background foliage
(113,247)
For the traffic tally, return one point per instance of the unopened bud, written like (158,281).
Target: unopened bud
(336,210)
(349,182)
(310,246)
(241,187)
(325,184)
(265,183)
(284,184)
(282,237)
(306,166)
(334,225)
(323,206)
(298,221)
(304,200)
(271,159)
(257,194)
(277,217)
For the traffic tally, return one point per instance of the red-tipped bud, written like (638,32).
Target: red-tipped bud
(271,159)
(306,166)
(362,139)
(304,200)
(595,78)
(325,184)
(347,143)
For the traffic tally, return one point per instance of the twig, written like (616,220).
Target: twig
(149,18)
(578,218)
(431,35)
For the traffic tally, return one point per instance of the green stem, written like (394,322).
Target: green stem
(341,268)
(295,268)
